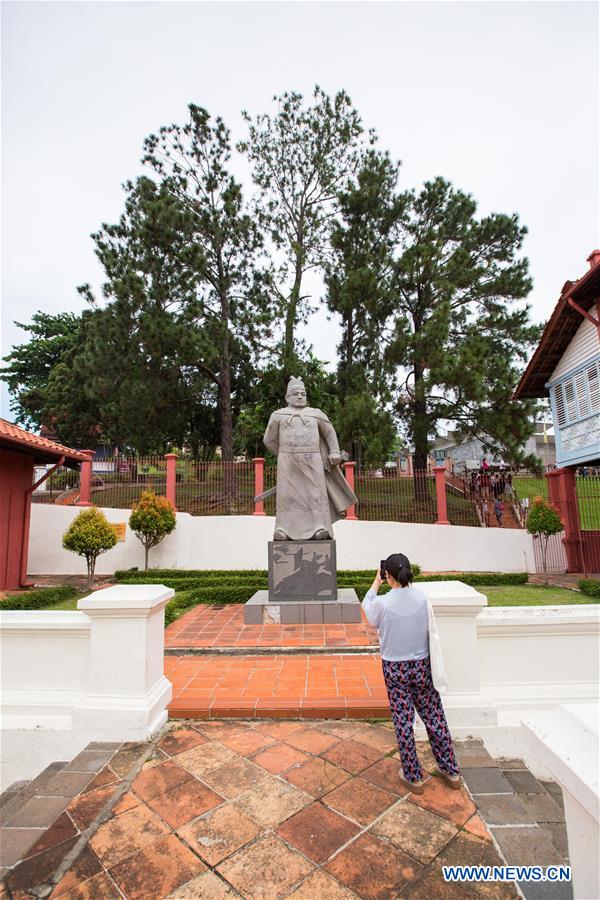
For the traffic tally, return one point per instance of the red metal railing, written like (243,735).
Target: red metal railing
(218,488)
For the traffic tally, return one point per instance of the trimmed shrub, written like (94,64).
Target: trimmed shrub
(590,587)
(152,519)
(89,535)
(543,521)
(40,598)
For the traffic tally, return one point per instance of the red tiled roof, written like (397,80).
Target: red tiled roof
(559,331)
(13,437)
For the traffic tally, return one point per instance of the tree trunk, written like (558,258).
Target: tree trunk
(146,549)
(224,403)
(420,432)
(290,316)
(91,565)
(544,553)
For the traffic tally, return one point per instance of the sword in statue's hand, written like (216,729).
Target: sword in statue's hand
(272,491)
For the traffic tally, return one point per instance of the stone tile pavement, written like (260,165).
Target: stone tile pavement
(267,809)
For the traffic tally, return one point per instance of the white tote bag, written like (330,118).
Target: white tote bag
(436,657)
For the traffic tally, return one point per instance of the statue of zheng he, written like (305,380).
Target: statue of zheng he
(312,492)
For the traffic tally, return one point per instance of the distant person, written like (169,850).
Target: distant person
(498,511)
(410,649)
(525,507)
(494,485)
(485,485)
(484,508)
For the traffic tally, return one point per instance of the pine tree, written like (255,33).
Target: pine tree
(455,328)
(301,157)
(358,277)
(231,304)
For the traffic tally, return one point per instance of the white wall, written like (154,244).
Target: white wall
(240,542)
(68,678)
(97,674)
(534,656)
(583,346)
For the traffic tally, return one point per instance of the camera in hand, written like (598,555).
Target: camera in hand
(382,569)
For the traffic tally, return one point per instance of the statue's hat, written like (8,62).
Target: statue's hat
(294,382)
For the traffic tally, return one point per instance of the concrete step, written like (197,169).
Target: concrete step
(18,794)
(30,809)
(12,791)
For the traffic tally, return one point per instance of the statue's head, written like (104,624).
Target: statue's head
(296,392)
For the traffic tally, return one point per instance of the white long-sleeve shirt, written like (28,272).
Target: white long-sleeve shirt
(402,620)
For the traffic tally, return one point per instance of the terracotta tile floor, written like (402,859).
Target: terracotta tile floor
(206,626)
(203,820)
(334,686)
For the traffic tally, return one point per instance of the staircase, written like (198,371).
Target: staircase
(43,820)
(509,520)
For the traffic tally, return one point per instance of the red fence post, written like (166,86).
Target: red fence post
(259,484)
(349,473)
(171,459)
(562,493)
(85,479)
(440,492)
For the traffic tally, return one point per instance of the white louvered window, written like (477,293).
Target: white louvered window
(593,379)
(583,406)
(569,389)
(560,406)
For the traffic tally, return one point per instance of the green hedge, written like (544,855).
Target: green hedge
(256,580)
(590,586)
(137,576)
(207,576)
(41,598)
(188,584)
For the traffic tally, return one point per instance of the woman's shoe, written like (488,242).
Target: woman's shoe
(415,787)
(453,781)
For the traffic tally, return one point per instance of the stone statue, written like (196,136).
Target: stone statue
(312,492)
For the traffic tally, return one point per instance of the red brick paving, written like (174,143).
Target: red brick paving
(204,626)
(303,686)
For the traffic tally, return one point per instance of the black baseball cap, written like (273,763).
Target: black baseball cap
(398,560)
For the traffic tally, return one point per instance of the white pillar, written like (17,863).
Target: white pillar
(566,741)
(456,607)
(127,692)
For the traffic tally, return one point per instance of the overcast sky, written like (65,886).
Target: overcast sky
(501,98)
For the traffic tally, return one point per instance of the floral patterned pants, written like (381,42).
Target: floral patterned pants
(410,686)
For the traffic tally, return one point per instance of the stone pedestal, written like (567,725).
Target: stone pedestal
(302,571)
(302,588)
(261,610)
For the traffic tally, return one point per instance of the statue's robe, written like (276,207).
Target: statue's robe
(311,493)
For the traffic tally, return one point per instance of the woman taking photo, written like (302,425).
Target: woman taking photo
(404,620)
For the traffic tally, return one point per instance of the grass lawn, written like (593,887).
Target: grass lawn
(532,595)
(69,604)
(588,494)
(498,595)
